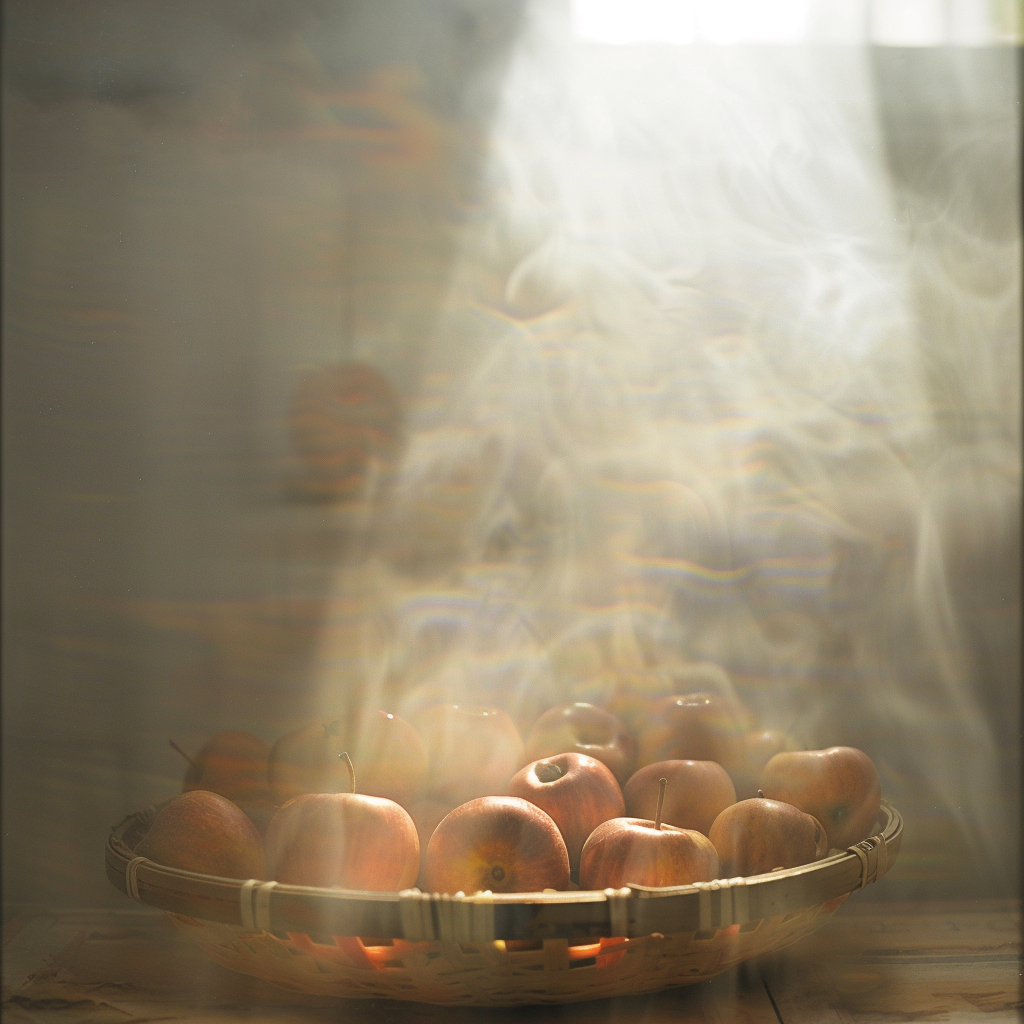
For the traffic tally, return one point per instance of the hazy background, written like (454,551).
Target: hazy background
(738,272)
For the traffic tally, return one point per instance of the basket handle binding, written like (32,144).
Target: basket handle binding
(254,904)
(863,851)
(456,917)
(131,877)
(733,905)
(618,910)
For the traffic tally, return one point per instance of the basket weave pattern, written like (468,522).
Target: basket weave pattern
(492,973)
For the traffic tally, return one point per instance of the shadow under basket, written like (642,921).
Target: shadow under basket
(495,950)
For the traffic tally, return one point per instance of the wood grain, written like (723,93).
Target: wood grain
(949,962)
(904,961)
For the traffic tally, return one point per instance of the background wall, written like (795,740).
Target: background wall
(199,206)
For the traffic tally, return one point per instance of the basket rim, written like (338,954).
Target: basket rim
(416,916)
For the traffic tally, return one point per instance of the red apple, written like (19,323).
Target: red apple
(756,836)
(839,786)
(391,756)
(472,751)
(697,792)
(578,792)
(631,851)
(693,727)
(496,843)
(343,840)
(306,761)
(759,747)
(583,729)
(707,677)
(204,832)
(232,763)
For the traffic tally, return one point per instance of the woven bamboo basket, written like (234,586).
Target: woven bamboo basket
(495,950)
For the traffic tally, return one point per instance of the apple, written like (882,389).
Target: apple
(472,751)
(583,729)
(426,815)
(231,763)
(577,791)
(758,835)
(496,843)
(205,832)
(693,727)
(839,786)
(759,747)
(707,677)
(391,756)
(698,791)
(306,761)
(643,851)
(343,840)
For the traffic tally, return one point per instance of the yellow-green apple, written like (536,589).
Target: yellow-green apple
(692,727)
(577,791)
(496,843)
(644,851)
(232,763)
(759,747)
(583,729)
(205,832)
(472,751)
(839,786)
(426,815)
(698,791)
(343,840)
(758,835)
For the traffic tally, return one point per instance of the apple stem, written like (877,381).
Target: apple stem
(197,767)
(548,772)
(351,768)
(662,786)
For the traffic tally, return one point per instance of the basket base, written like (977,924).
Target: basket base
(496,973)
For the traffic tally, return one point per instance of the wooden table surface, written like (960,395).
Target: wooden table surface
(872,962)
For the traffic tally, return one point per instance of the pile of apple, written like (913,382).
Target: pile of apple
(458,803)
